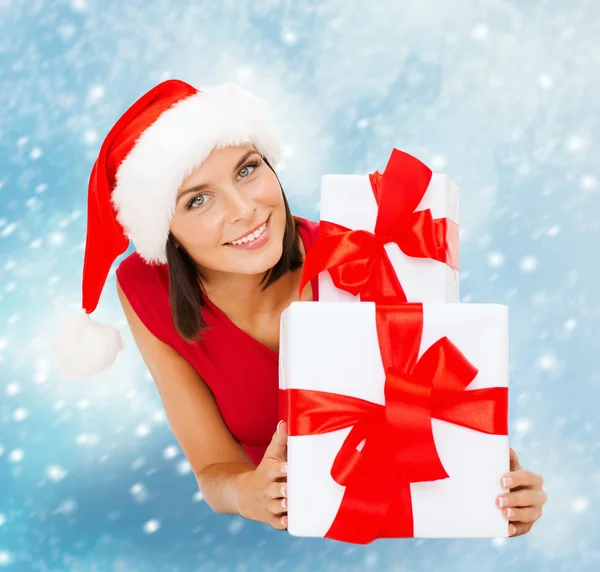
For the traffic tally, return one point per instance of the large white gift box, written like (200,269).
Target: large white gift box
(333,347)
(348,200)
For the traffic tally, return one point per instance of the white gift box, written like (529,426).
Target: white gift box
(348,200)
(333,347)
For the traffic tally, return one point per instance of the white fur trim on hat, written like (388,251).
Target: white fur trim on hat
(167,152)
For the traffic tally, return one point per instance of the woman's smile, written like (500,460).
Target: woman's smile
(253,240)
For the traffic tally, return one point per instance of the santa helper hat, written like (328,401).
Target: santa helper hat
(132,192)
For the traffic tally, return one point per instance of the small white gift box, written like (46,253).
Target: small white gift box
(348,200)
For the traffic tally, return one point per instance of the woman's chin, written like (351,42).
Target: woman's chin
(256,261)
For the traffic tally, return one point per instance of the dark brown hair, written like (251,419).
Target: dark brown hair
(186,290)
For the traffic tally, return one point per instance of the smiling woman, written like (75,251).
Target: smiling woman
(218,258)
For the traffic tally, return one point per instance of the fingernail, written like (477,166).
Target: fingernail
(283,503)
(507,482)
(510,512)
(282,491)
(284,468)
(283,520)
(503,501)
(279,425)
(512,529)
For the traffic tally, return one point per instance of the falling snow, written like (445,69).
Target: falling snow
(498,94)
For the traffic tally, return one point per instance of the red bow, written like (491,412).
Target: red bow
(357,260)
(399,447)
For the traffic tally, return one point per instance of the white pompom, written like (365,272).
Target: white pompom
(83,347)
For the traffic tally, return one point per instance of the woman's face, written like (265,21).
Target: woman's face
(228,197)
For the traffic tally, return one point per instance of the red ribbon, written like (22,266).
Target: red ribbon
(357,260)
(399,447)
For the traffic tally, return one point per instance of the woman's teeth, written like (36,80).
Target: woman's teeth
(252,236)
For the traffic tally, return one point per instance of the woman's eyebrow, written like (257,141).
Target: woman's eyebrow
(204,185)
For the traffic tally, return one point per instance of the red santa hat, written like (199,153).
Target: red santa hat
(143,161)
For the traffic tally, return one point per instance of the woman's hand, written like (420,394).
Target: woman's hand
(263,491)
(522,506)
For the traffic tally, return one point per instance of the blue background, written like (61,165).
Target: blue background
(502,95)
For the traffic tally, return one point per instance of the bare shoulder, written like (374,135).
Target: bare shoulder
(189,404)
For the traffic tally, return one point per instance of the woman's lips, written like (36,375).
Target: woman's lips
(257,242)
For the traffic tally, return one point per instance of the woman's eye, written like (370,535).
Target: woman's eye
(193,202)
(246,167)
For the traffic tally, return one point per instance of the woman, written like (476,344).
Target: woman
(190,177)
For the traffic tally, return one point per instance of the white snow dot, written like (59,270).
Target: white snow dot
(438,161)
(499,542)
(547,362)
(575,143)
(2,344)
(198,496)
(171,452)
(522,426)
(83,404)
(75,215)
(580,504)
(41,188)
(545,81)
(142,430)
(481,32)
(40,377)
(588,182)
(184,467)
(496,259)
(66,32)
(22,141)
(13,388)
(20,414)
(96,93)
(87,439)
(36,243)
(56,473)
(57,238)
(8,229)
(5,557)
(236,525)
(139,492)
(570,324)
(16,455)
(289,37)
(90,136)
(68,506)
(2,518)
(151,526)
(553,230)
(36,153)
(528,264)
(32,203)
(158,416)
(79,5)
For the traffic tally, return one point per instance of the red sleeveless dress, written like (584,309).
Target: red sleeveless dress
(241,372)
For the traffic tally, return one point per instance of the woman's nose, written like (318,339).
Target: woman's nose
(240,205)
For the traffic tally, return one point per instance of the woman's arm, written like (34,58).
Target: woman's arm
(217,459)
